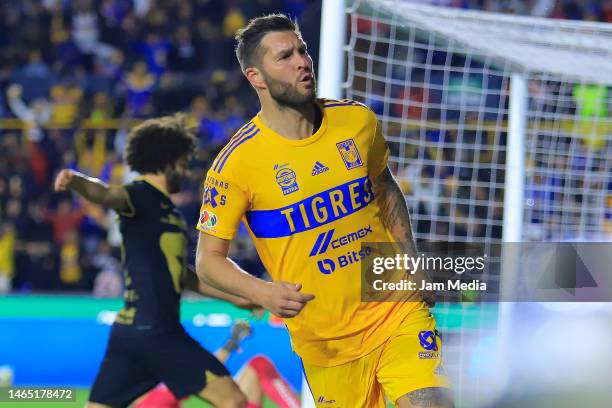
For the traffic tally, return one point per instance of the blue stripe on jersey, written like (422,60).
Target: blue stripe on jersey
(236,135)
(232,141)
(231,145)
(313,211)
(246,137)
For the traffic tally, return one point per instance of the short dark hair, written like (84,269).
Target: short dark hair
(157,143)
(248,39)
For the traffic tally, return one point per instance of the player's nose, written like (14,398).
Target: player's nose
(303,62)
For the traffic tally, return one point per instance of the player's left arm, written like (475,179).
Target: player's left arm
(394,211)
(396,218)
(392,203)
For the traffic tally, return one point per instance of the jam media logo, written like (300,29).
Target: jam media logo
(286,178)
(326,266)
(319,168)
(208,220)
(350,154)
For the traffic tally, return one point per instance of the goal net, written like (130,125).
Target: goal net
(439,80)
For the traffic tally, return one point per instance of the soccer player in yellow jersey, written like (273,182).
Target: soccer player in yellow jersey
(309,178)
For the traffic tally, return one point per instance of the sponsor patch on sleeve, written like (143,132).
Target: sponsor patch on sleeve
(208,221)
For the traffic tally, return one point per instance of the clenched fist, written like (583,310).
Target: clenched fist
(63,179)
(284,299)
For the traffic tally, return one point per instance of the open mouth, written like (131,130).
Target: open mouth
(306,78)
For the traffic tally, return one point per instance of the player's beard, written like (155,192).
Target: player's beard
(287,95)
(174,180)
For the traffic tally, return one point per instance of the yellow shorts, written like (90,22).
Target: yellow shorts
(407,361)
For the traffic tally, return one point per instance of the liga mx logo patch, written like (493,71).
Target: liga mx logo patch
(286,178)
(208,220)
(350,154)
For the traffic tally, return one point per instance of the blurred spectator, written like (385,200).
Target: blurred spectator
(70,270)
(154,50)
(211,130)
(606,11)
(102,109)
(140,83)
(233,21)
(7,261)
(591,100)
(108,284)
(34,117)
(66,98)
(108,72)
(85,26)
(64,220)
(66,53)
(184,54)
(219,49)
(424,192)
(35,77)
(35,260)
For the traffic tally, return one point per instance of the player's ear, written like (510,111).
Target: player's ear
(255,77)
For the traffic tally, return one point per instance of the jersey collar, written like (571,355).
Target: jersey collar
(269,133)
(154,185)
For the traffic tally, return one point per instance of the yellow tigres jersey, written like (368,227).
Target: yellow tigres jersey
(308,205)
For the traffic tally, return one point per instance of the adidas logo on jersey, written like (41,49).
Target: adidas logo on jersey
(319,168)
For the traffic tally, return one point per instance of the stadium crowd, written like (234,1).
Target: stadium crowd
(76,74)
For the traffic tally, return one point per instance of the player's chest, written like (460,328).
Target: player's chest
(290,174)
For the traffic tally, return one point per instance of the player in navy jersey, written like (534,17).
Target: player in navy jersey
(147,344)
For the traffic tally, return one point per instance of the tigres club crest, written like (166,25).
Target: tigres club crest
(350,154)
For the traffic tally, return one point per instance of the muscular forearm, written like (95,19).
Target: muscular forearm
(285,299)
(192,283)
(91,188)
(394,211)
(395,216)
(208,290)
(221,273)
(98,192)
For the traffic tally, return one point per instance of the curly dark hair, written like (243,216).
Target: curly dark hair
(248,39)
(157,143)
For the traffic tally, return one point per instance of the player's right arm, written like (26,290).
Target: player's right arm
(213,267)
(94,190)
(224,204)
